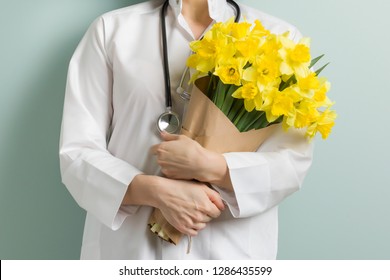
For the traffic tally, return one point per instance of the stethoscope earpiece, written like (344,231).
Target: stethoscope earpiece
(185,95)
(180,90)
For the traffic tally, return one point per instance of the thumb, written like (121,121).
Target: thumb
(215,198)
(169,137)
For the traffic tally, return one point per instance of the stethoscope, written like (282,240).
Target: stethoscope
(169,121)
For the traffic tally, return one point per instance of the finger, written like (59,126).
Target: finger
(169,137)
(213,211)
(199,226)
(191,232)
(201,217)
(215,198)
(187,229)
(154,148)
(207,219)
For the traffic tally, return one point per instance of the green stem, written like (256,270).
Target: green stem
(243,121)
(235,109)
(253,122)
(278,120)
(211,87)
(290,81)
(238,118)
(229,100)
(220,94)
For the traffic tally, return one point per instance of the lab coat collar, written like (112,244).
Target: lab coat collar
(216,8)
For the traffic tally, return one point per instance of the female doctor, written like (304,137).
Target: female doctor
(111,152)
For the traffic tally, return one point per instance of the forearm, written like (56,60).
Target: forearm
(187,205)
(214,170)
(143,190)
(183,158)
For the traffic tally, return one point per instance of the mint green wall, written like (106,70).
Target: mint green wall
(343,210)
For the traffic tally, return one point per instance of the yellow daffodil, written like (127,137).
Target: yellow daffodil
(323,124)
(222,28)
(269,96)
(258,30)
(300,53)
(306,113)
(240,30)
(208,50)
(309,82)
(205,55)
(264,70)
(320,94)
(251,95)
(280,103)
(271,45)
(229,70)
(296,57)
(248,48)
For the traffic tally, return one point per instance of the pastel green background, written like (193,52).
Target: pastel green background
(343,210)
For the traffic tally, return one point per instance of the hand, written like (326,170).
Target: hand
(180,157)
(188,205)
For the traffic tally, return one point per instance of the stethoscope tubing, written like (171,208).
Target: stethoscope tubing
(167,79)
(168,96)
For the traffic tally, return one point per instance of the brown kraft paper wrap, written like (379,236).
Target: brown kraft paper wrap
(207,124)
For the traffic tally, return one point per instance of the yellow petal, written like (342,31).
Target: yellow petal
(249,105)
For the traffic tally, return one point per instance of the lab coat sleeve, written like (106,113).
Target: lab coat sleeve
(262,179)
(95,178)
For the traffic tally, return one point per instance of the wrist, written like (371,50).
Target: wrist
(143,190)
(214,169)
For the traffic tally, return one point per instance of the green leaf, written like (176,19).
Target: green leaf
(212,87)
(260,123)
(229,100)
(255,119)
(315,60)
(238,104)
(292,80)
(278,120)
(238,117)
(320,70)
(244,120)
(219,94)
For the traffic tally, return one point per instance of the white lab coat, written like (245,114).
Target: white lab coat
(114,95)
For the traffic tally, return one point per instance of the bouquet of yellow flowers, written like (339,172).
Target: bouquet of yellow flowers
(247,79)
(269,73)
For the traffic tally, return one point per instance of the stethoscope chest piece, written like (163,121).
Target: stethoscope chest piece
(169,121)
